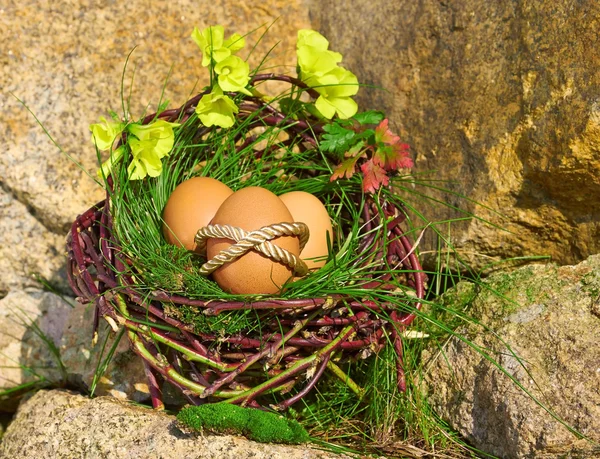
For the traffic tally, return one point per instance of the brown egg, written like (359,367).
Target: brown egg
(191,206)
(307,208)
(253,273)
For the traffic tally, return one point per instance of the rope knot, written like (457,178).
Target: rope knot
(258,240)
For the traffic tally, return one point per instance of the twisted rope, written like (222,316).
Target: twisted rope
(254,240)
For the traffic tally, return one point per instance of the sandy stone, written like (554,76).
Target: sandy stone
(62,424)
(27,319)
(123,377)
(500,100)
(27,248)
(64,60)
(545,314)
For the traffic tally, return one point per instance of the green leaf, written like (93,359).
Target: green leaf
(163,106)
(369,117)
(337,139)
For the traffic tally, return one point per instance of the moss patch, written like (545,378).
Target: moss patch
(257,425)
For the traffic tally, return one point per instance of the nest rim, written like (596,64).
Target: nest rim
(95,261)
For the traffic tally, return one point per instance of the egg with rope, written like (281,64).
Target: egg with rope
(253,244)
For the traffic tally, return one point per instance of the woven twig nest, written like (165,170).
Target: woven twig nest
(299,338)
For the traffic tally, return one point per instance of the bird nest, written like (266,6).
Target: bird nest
(363,300)
(298,338)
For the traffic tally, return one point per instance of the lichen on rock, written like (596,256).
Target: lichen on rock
(539,326)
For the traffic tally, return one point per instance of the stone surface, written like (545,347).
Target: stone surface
(124,376)
(27,248)
(548,318)
(500,99)
(64,60)
(61,424)
(25,356)
(27,319)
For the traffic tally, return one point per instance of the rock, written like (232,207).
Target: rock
(499,99)
(30,320)
(124,376)
(61,424)
(545,314)
(27,247)
(64,61)
(31,323)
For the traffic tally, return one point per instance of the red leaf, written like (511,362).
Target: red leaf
(345,169)
(374,176)
(383,134)
(393,157)
(390,153)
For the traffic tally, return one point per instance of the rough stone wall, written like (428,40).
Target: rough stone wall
(541,326)
(60,424)
(501,99)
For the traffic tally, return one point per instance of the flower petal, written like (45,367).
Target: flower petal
(216,109)
(325,107)
(233,75)
(107,166)
(313,61)
(235,42)
(210,42)
(105,133)
(309,37)
(160,131)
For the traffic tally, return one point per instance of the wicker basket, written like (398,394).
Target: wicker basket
(246,368)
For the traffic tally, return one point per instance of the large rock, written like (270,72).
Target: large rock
(542,326)
(27,248)
(60,424)
(123,376)
(500,99)
(47,341)
(31,326)
(64,60)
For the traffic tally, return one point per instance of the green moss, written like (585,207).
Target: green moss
(505,282)
(460,296)
(257,425)
(591,283)
(228,323)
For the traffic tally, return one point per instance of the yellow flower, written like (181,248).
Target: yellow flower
(233,74)
(315,63)
(216,109)
(335,89)
(160,132)
(149,143)
(213,45)
(146,160)
(235,43)
(308,37)
(105,133)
